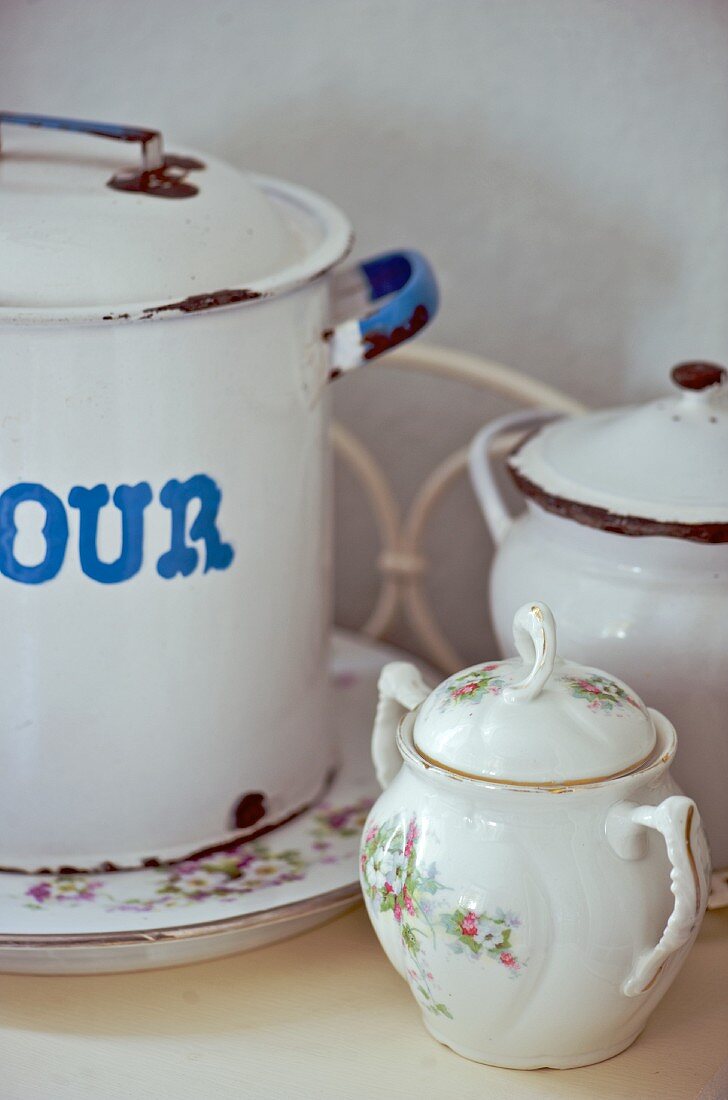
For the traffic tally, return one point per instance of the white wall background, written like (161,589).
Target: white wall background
(564,163)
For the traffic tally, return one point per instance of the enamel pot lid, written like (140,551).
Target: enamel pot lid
(655,469)
(536,718)
(103,224)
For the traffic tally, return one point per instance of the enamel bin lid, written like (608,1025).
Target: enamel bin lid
(103,224)
(536,718)
(655,469)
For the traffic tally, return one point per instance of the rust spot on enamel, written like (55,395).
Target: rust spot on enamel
(378,342)
(168,182)
(249,810)
(196,303)
(229,845)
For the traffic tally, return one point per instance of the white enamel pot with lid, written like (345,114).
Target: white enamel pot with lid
(531,868)
(625,533)
(168,325)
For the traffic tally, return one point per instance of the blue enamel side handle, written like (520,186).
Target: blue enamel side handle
(407,281)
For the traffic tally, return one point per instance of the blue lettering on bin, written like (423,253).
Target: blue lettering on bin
(181,558)
(131,500)
(198,495)
(55,533)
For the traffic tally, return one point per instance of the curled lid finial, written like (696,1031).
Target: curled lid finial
(534,632)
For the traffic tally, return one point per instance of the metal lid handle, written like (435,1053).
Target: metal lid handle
(150,140)
(160,174)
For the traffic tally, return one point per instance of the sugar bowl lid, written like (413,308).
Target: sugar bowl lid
(536,718)
(654,469)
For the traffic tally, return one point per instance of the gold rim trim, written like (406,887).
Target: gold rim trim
(691,858)
(659,757)
(545,785)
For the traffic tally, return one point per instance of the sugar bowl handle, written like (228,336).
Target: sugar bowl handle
(401,689)
(677,818)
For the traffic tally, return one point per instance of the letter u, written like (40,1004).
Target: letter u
(131,500)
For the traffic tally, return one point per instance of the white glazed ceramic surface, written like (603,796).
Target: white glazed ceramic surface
(590,726)
(268,889)
(652,610)
(535,926)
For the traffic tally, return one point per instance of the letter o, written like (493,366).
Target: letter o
(55,533)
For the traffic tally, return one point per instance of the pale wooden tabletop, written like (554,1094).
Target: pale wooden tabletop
(320,1016)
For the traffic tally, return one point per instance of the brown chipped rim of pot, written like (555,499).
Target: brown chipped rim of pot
(591,515)
(336,243)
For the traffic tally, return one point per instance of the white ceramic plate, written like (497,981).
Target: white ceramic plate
(283,883)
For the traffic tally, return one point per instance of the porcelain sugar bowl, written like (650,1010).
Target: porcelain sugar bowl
(531,869)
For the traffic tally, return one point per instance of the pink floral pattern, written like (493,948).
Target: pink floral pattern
(473,685)
(394,881)
(601,694)
(224,876)
(475,933)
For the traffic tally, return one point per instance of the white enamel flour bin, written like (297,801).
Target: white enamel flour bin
(167,329)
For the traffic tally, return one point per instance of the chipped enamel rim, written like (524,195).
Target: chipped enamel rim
(555,491)
(337,241)
(656,761)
